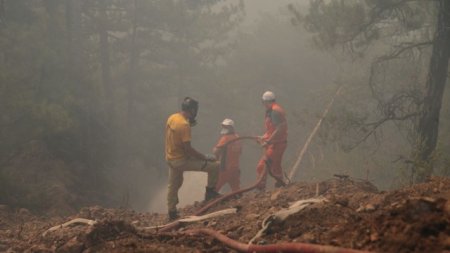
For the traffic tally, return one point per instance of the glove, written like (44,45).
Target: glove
(210,157)
(259,139)
(264,144)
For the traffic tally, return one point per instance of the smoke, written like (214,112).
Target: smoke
(192,190)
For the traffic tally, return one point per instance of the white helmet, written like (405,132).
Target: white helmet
(228,122)
(268,96)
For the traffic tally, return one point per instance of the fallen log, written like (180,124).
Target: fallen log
(71,222)
(193,218)
(283,214)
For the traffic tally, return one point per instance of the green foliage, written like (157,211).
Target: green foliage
(396,36)
(356,24)
(95,101)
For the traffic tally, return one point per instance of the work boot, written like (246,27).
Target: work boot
(279,184)
(211,194)
(173,215)
(261,187)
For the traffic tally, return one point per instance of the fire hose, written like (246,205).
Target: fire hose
(281,247)
(233,244)
(226,196)
(242,247)
(215,202)
(229,195)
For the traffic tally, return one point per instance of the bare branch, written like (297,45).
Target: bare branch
(375,125)
(375,17)
(402,48)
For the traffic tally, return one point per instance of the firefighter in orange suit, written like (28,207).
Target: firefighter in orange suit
(228,153)
(274,140)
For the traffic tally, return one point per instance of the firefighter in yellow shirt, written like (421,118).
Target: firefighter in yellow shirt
(181,156)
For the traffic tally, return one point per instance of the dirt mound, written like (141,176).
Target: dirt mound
(41,182)
(34,178)
(353,214)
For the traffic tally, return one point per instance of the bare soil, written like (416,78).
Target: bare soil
(356,215)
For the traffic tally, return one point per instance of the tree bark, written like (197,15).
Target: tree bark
(2,11)
(437,77)
(104,54)
(73,29)
(134,57)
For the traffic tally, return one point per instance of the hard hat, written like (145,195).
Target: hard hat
(268,96)
(228,122)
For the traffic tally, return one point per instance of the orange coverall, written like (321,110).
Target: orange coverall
(229,162)
(274,151)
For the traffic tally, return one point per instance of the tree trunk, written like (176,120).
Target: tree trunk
(73,28)
(134,56)
(2,11)
(437,78)
(104,56)
(51,7)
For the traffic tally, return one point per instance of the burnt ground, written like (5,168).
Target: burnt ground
(356,215)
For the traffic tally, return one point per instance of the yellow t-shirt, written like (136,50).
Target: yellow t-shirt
(178,131)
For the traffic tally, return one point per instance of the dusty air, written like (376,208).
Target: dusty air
(224,126)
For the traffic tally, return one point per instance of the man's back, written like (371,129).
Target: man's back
(178,131)
(232,151)
(276,116)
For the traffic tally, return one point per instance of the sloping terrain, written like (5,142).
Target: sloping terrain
(355,215)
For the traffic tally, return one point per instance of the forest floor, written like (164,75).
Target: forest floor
(355,215)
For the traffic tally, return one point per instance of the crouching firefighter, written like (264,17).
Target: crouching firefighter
(274,141)
(181,156)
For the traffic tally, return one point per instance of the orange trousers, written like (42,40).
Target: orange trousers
(230,176)
(272,157)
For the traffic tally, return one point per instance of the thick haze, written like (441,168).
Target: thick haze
(86,88)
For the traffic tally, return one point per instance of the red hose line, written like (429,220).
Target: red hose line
(239,246)
(224,197)
(215,202)
(240,138)
(282,247)
(229,195)
(242,247)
